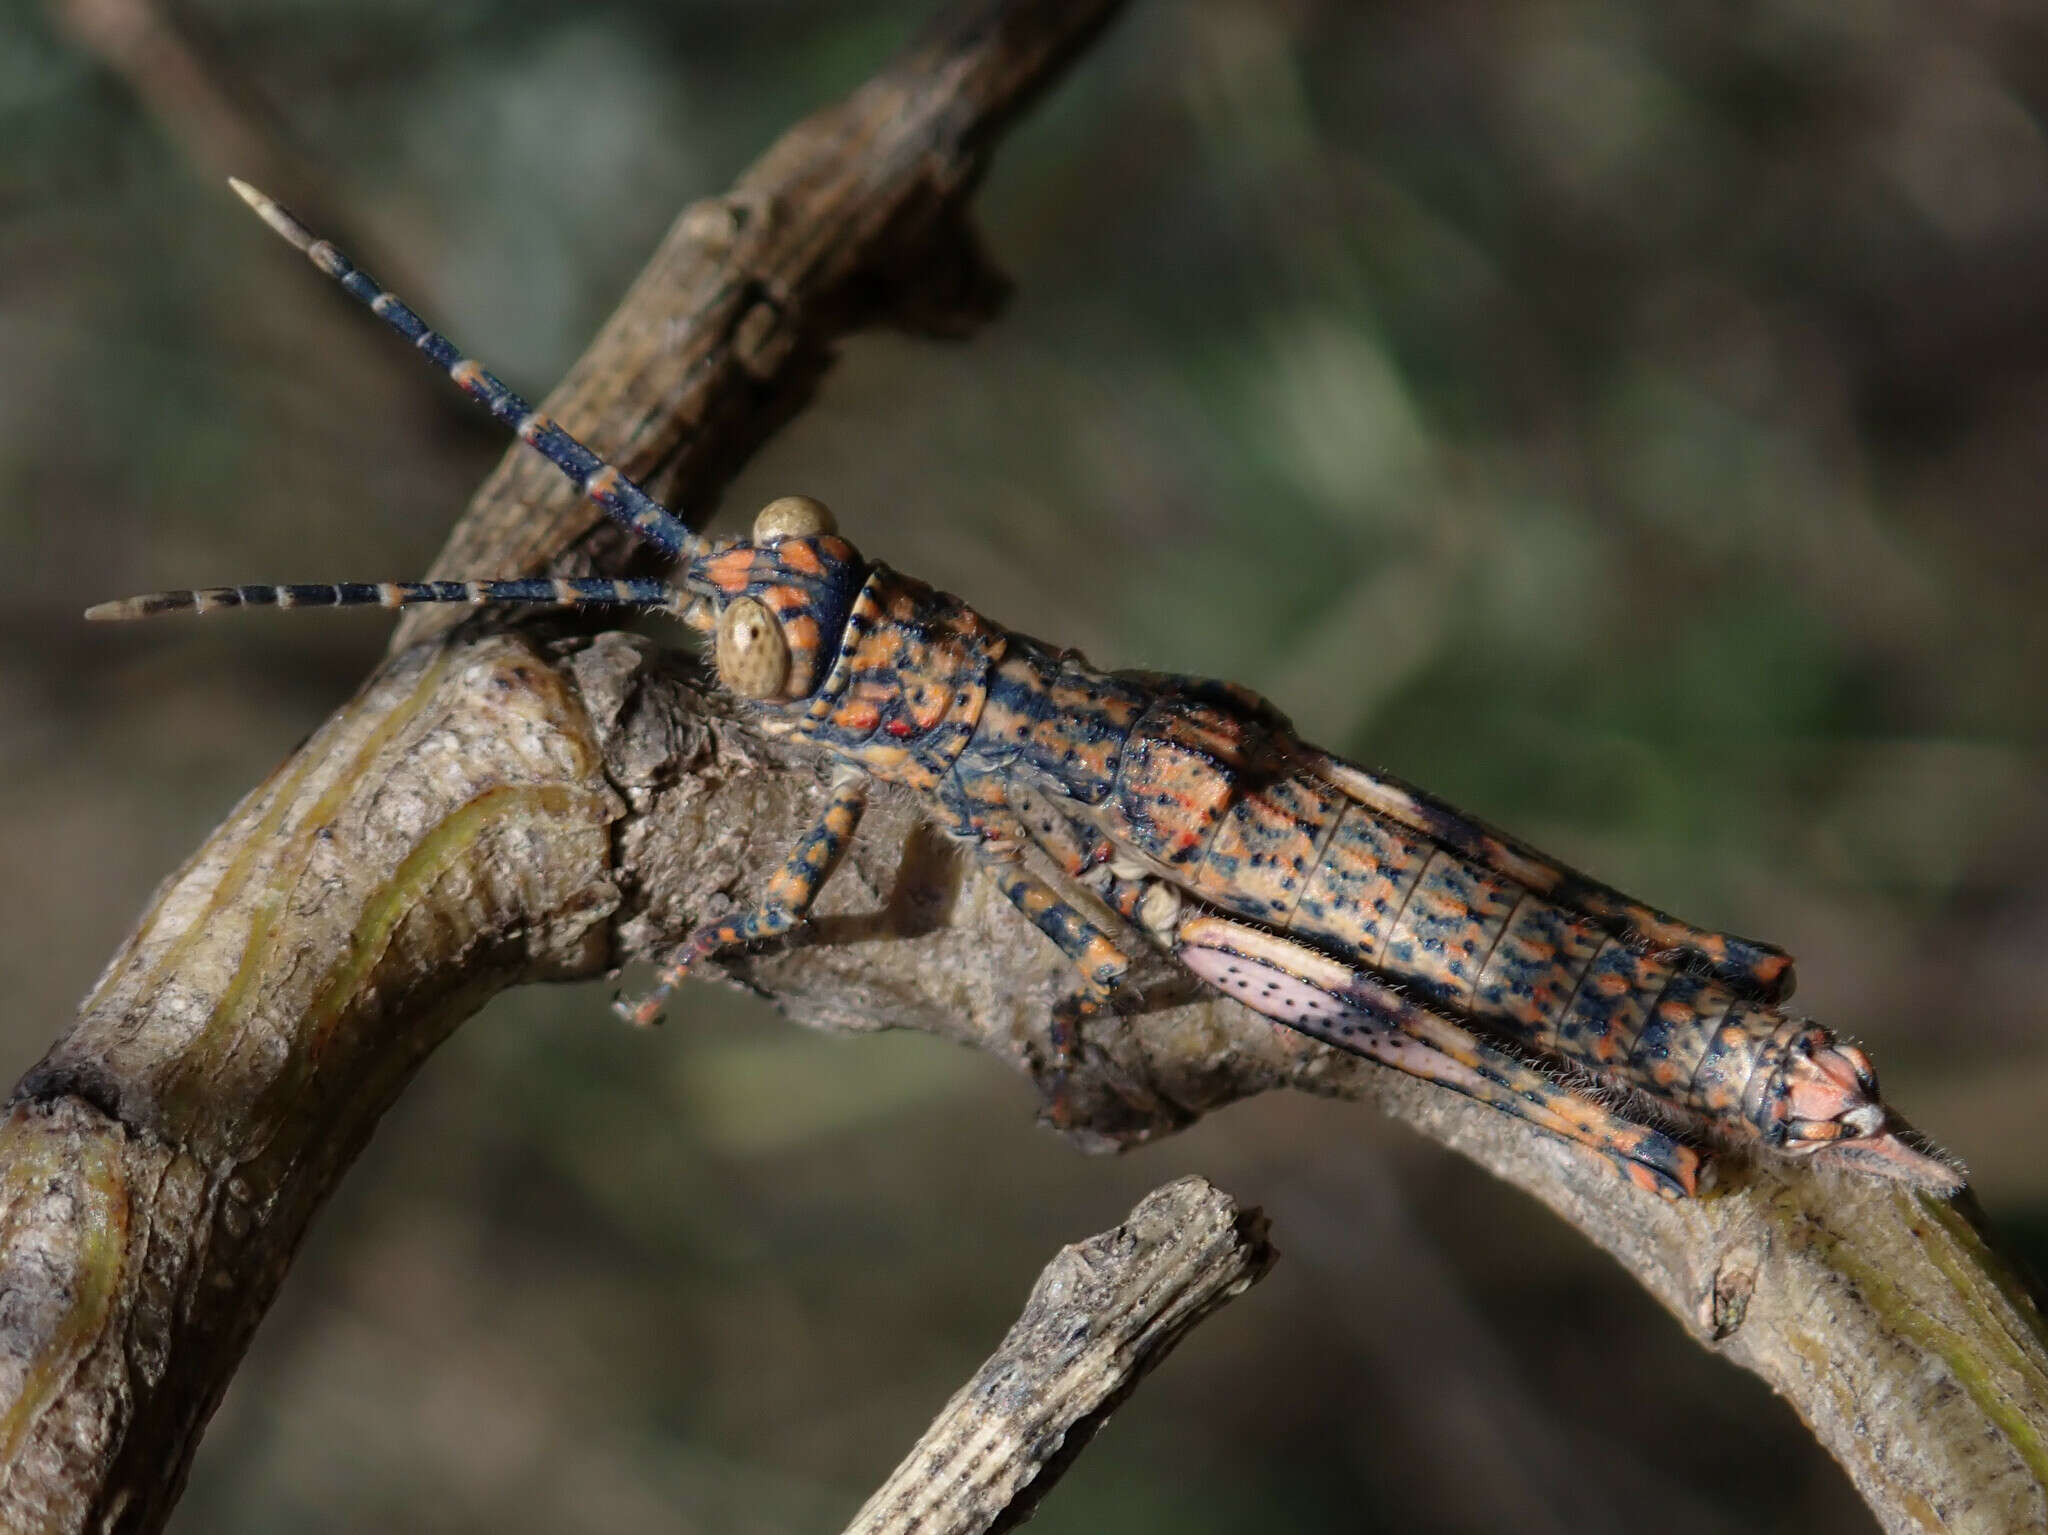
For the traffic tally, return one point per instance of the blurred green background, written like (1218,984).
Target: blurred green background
(1628,420)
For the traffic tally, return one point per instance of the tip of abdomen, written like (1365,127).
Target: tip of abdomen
(1836,1117)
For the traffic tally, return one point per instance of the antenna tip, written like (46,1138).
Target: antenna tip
(149,606)
(272,213)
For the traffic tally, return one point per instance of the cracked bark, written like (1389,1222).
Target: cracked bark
(1102,1316)
(501,807)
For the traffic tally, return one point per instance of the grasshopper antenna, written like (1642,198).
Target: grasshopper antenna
(541,591)
(623,501)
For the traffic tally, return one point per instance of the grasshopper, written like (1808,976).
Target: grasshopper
(1338,901)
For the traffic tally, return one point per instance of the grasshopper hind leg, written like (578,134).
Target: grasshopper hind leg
(1313,995)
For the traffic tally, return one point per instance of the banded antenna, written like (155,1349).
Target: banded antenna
(546,591)
(621,500)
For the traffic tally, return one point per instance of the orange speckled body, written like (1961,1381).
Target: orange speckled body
(909,685)
(1204,786)
(1224,802)
(1435,920)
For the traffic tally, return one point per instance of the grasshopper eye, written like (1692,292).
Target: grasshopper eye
(752,656)
(793,517)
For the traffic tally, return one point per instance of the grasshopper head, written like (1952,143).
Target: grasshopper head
(776,601)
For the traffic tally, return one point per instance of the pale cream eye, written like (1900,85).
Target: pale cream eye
(793,517)
(752,657)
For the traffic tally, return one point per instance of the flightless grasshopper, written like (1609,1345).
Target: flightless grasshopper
(1338,901)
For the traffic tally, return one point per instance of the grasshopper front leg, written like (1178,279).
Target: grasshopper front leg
(790,896)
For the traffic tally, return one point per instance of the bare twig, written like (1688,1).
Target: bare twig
(491,808)
(201,105)
(1103,1314)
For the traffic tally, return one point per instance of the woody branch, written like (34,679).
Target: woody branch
(497,807)
(1103,1314)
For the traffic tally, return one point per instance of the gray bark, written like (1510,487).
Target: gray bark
(1104,1313)
(501,807)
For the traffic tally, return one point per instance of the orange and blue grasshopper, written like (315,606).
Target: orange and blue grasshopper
(1337,901)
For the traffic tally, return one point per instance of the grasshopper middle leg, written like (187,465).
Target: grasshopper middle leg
(1100,964)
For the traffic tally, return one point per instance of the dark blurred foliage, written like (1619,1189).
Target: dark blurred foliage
(1628,420)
